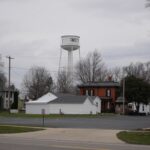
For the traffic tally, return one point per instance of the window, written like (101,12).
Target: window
(86,93)
(6,94)
(89,92)
(96,104)
(11,94)
(92,93)
(108,92)
(143,108)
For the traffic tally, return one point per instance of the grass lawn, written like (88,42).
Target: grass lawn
(5,129)
(6,114)
(135,137)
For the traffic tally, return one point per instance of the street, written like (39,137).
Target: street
(102,122)
(74,133)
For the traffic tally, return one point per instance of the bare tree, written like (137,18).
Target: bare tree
(116,74)
(2,80)
(37,82)
(139,70)
(147,72)
(64,83)
(83,72)
(91,68)
(2,75)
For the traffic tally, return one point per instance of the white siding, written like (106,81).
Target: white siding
(143,108)
(67,40)
(85,108)
(6,100)
(36,108)
(97,105)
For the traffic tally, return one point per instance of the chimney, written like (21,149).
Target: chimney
(109,78)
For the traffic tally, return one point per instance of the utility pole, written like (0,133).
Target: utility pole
(123,96)
(9,75)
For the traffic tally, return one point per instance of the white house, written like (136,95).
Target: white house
(64,104)
(4,97)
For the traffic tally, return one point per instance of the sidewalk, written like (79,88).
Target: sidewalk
(82,135)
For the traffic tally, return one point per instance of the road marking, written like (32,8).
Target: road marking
(77,147)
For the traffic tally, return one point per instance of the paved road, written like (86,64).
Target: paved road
(12,142)
(66,145)
(103,122)
(73,133)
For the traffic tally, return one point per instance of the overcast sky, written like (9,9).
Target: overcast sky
(31,30)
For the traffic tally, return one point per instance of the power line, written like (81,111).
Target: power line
(41,57)
(22,68)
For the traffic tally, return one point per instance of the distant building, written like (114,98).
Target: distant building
(4,98)
(107,91)
(141,108)
(64,104)
(119,106)
(22,99)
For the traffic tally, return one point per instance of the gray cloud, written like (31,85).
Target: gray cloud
(115,7)
(30,31)
(121,56)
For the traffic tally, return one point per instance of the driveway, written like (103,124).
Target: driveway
(66,139)
(61,134)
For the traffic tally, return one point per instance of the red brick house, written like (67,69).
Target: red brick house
(107,91)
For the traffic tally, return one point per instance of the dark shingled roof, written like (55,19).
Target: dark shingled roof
(70,99)
(100,84)
(120,100)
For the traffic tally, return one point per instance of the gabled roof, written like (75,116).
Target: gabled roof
(100,84)
(50,98)
(69,99)
(120,100)
(44,99)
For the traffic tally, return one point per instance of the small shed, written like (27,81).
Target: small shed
(119,105)
(64,104)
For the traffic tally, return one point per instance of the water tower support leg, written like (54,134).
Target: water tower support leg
(79,55)
(70,63)
(60,61)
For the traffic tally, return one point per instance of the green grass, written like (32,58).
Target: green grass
(135,137)
(5,129)
(23,115)
(107,114)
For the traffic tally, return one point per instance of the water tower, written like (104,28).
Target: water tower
(70,43)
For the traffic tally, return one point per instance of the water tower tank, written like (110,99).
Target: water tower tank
(70,42)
